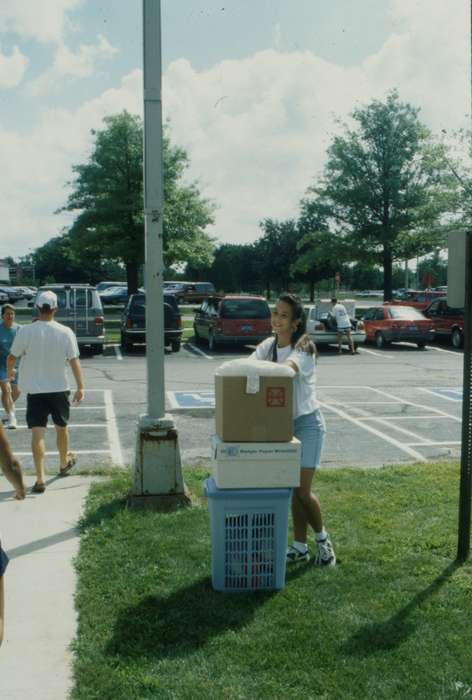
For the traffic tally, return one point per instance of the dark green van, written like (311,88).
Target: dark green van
(79,307)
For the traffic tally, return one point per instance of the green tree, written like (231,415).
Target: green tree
(107,197)
(275,252)
(386,185)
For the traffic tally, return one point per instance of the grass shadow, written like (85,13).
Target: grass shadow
(182,622)
(107,511)
(378,637)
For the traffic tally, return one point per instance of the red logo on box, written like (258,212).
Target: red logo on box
(275,397)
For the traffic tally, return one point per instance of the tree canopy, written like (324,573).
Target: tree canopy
(107,196)
(385,186)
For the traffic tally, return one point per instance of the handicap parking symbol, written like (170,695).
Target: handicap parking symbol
(191,399)
(451,394)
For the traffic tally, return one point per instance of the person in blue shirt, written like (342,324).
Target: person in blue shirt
(10,391)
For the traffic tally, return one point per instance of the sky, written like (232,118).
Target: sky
(252,89)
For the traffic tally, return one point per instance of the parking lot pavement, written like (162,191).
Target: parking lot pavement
(401,405)
(94,434)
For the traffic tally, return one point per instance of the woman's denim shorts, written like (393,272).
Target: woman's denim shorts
(310,429)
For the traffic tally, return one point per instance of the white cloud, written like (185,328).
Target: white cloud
(36,166)
(256,130)
(12,68)
(44,20)
(78,64)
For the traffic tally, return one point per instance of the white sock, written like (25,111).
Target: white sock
(301,546)
(320,536)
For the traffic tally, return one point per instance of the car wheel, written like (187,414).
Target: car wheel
(97,349)
(380,341)
(457,338)
(421,345)
(211,342)
(175,345)
(126,345)
(197,336)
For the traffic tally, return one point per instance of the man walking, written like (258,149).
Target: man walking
(9,389)
(45,348)
(343,323)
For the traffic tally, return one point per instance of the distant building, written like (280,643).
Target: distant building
(4,271)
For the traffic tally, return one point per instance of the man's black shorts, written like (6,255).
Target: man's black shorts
(40,406)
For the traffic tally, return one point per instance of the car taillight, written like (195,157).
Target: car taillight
(319,327)
(129,323)
(219,326)
(99,320)
(179,322)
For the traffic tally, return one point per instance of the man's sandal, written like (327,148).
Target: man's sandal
(38,488)
(71,460)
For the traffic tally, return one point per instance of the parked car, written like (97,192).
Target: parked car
(389,323)
(101,286)
(232,319)
(26,293)
(115,295)
(133,322)
(190,292)
(448,321)
(79,307)
(419,300)
(3,298)
(13,294)
(321,324)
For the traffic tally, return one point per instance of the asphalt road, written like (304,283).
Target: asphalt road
(400,405)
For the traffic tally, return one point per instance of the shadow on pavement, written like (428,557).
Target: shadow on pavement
(181,622)
(383,636)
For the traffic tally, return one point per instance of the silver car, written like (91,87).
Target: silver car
(321,325)
(79,308)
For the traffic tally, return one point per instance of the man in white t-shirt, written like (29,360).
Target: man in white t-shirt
(343,323)
(46,348)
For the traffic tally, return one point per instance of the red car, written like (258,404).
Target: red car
(389,323)
(419,300)
(448,321)
(232,320)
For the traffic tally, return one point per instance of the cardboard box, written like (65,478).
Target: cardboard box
(263,416)
(239,465)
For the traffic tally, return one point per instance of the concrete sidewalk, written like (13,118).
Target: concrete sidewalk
(40,538)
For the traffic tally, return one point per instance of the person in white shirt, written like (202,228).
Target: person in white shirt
(292,346)
(343,323)
(46,348)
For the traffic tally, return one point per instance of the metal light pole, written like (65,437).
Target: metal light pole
(158,482)
(465,491)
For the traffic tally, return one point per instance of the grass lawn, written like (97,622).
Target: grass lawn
(393,620)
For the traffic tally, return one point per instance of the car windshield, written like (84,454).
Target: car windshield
(245,308)
(405,313)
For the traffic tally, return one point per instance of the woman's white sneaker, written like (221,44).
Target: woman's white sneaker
(294,554)
(325,555)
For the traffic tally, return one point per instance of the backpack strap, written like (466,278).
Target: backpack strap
(273,351)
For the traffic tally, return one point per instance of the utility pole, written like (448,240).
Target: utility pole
(158,482)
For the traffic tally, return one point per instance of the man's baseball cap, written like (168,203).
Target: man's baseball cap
(47,298)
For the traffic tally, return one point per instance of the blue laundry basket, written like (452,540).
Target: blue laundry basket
(249,529)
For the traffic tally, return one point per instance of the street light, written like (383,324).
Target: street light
(158,482)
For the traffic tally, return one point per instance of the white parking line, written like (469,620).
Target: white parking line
(432,444)
(69,425)
(416,405)
(118,354)
(388,423)
(112,429)
(449,352)
(377,354)
(76,452)
(198,351)
(401,446)
(173,403)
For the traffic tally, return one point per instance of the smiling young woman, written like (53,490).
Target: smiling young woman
(292,346)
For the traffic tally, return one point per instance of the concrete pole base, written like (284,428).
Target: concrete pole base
(158,482)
